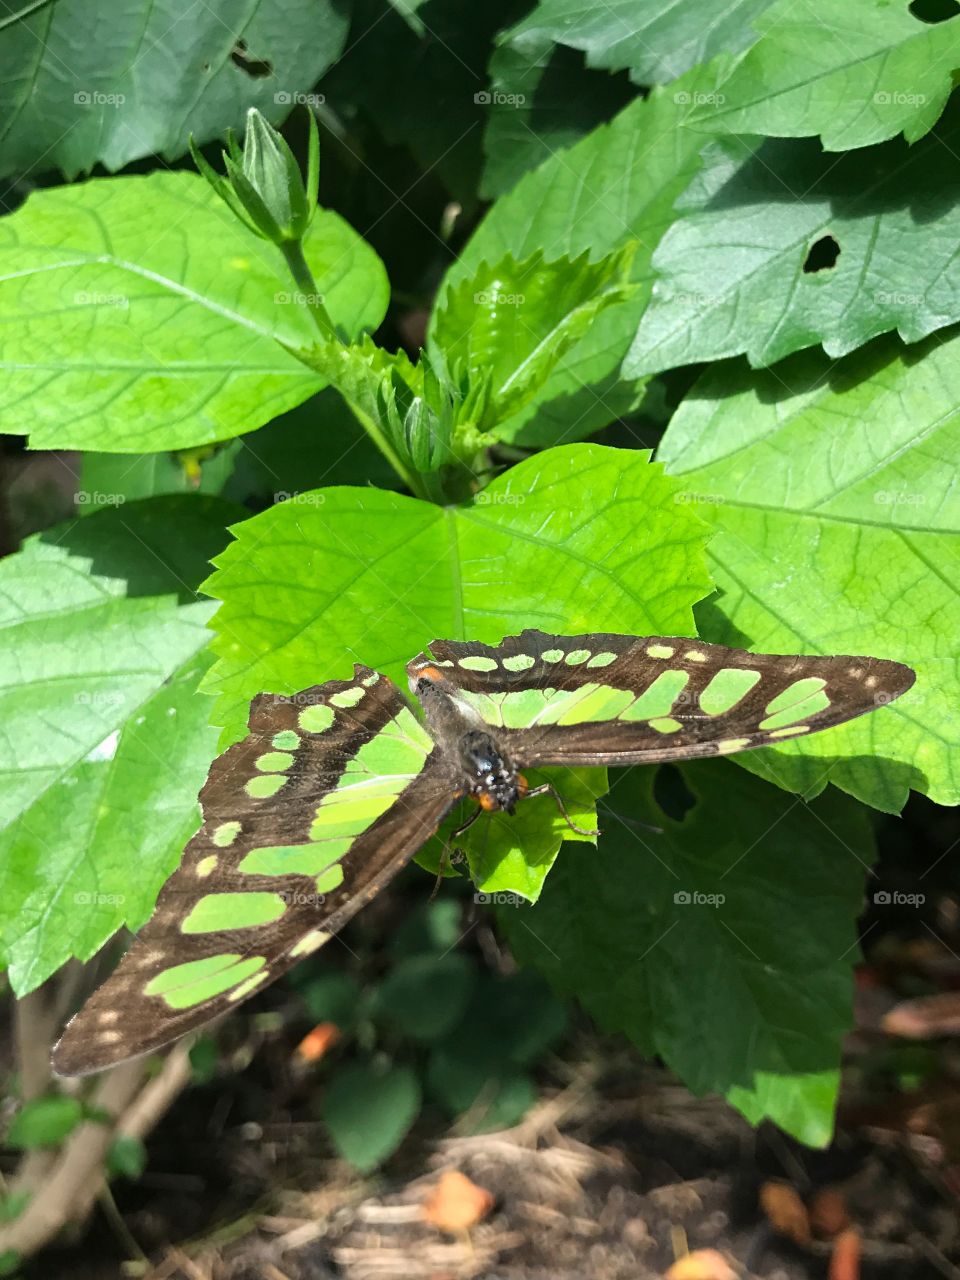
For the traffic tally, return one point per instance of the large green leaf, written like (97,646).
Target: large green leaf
(110,83)
(618,184)
(91,853)
(657,42)
(142,316)
(365,575)
(844,475)
(854,74)
(736,271)
(105,740)
(541,99)
(725,945)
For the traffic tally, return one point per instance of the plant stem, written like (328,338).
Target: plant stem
(300,270)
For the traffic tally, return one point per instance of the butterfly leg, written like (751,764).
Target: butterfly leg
(548,789)
(444,856)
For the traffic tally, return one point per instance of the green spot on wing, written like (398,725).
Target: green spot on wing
(347,697)
(274,761)
(799,701)
(726,689)
(225,834)
(519,662)
(264,787)
(476,662)
(602,703)
(217,912)
(602,659)
(665,724)
(659,697)
(799,691)
(331,879)
(316,719)
(552,655)
(294,859)
(818,701)
(286,740)
(576,656)
(185,985)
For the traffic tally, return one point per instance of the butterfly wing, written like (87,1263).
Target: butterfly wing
(606,699)
(330,794)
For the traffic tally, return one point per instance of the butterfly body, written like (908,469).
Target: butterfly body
(335,788)
(489,775)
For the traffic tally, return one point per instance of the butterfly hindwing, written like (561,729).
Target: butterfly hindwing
(328,796)
(608,699)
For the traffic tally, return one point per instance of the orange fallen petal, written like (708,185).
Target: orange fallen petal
(828,1213)
(702,1264)
(456,1203)
(785,1211)
(845,1260)
(317,1042)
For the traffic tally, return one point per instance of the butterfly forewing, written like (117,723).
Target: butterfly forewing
(609,699)
(329,795)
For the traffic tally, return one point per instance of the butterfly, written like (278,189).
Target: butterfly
(334,789)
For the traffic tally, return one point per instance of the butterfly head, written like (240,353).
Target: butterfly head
(491,778)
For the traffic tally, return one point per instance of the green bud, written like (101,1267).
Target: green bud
(263,185)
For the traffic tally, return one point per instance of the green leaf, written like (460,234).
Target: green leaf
(45,1122)
(126,1158)
(424,996)
(368,1109)
(144,317)
(510,1023)
(725,945)
(420,83)
(110,479)
(136,79)
(595,197)
(657,42)
(855,75)
(330,997)
(839,470)
(307,590)
(10,1262)
(872,511)
(542,99)
(513,321)
(12,1205)
(512,855)
(106,740)
(739,272)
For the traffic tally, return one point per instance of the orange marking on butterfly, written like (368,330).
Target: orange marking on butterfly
(523,786)
(430,673)
(487,801)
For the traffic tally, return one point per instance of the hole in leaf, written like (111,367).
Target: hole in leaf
(821,256)
(255,67)
(934,10)
(672,793)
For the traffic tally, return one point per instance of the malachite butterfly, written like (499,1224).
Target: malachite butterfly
(334,790)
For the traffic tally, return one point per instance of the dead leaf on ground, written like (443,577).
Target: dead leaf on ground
(702,1264)
(785,1211)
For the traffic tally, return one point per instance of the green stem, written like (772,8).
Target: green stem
(300,270)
